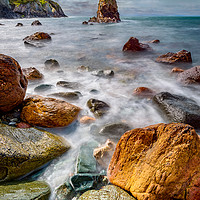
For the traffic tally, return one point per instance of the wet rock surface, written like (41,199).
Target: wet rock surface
(38,36)
(109,192)
(43,87)
(67,84)
(144,92)
(103,73)
(19,24)
(25,190)
(133,45)
(32,73)
(51,63)
(67,95)
(182,56)
(157,162)
(13,83)
(25,150)
(190,76)
(99,108)
(36,23)
(48,112)
(178,108)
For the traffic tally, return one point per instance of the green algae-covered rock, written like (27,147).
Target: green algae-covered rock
(36,190)
(24,150)
(109,192)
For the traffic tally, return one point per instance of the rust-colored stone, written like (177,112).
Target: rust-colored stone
(32,73)
(181,56)
(38,36)
(87,120)
(13,83)
(48,112)
(134,45)
(158,162)
(144,92)
(23,125)
(177,70)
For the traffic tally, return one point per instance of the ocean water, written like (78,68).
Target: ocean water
(99,46)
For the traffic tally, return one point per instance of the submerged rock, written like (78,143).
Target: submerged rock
(157,162)
(19,24)
(67,84)
(36,23)
(109,192)
(144,92)
(154,41)
(179,57)
(87,120)
(177,70)
(85,23)
(190,76)
(13,83)
(134,45)
(104,73)
(178,108)
(25,150)
(67,95)
(99,108)
(25,190)
(37,8)
(48,112)
(43,87)
(51,63)
(38,36)
(32,73)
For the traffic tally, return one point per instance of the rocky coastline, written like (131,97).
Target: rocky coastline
(156,162)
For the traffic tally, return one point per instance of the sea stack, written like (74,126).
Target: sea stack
(107,12)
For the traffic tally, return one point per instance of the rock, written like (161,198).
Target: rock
(36,23)
(5,10)
(177,70)
(19,24)
(178,108)
(114,130)
(32,73)
(25,190)
(157,162)
(107,11)
(103,73)
(67,95)
(93,19)
(179,57)
(86,163)
(48,112)
(154,41)
(94,91)
(103,154)
(85,23)
(109,192)
(33,44)
(99,108)
(83,68)
(144,92)
(25,150)
(190,76)
(38,36)
(35,8)
(43,87)
(23,125)
(70,85)
(134,45)
(13,84)
(87,120)
(51,63)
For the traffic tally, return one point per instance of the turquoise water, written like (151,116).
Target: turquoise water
(99,46)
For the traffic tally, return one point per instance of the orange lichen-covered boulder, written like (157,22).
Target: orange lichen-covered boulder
(144,92)
(13,83)
(158,162)
(48,112)
(38,36)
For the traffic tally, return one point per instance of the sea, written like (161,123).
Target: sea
(99,46)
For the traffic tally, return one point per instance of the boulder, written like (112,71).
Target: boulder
(43,87)
(157,162)
(51,63)
(87,120)
(38,36)
(67,95)
(182,56)
(25,190)
(109,192)
(144,92)
(134,45)
(178,108)
(190,76)
(67,84)
(99,108)
(25,150)
(37,8)
(36,23)
(13,83)
(107,11)
(32,73)
(177,70)
(48,112)
(19,24)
